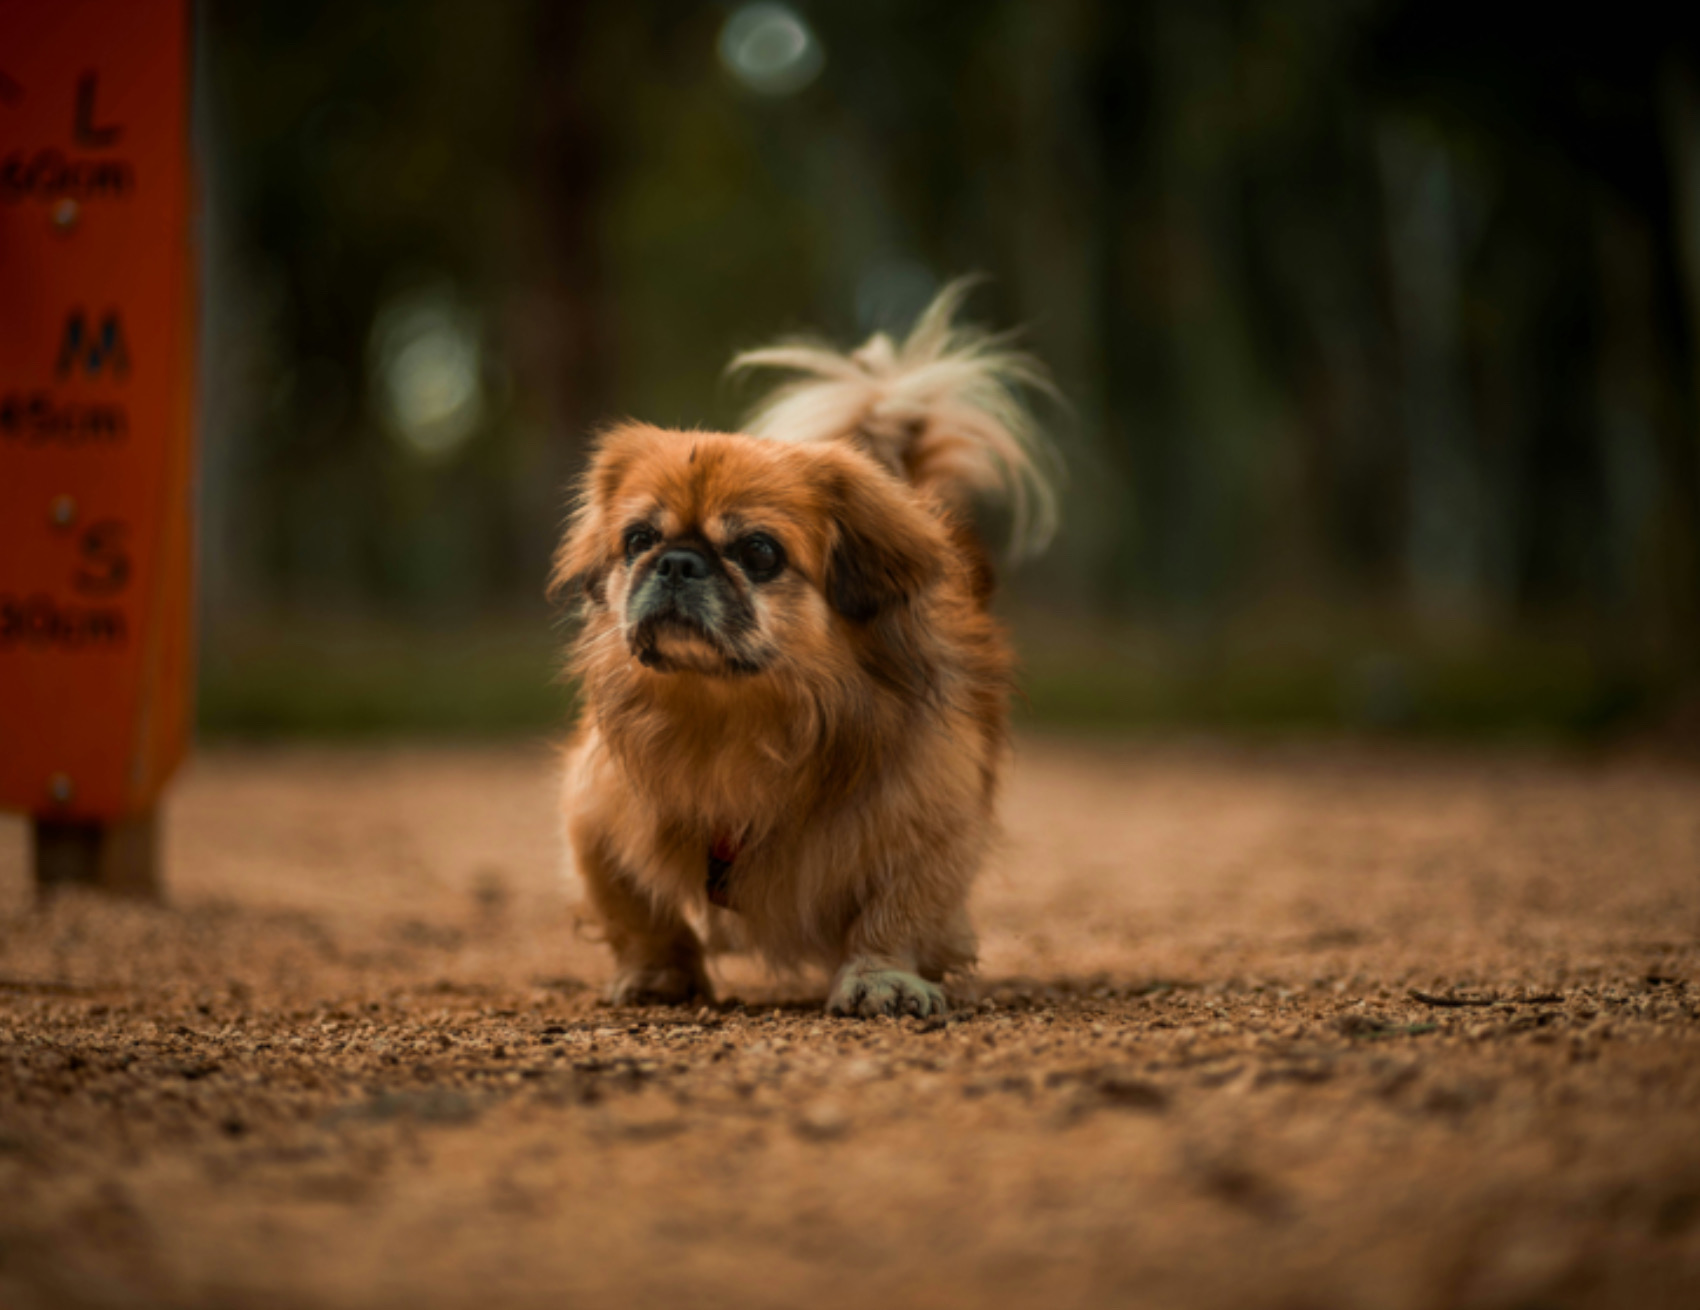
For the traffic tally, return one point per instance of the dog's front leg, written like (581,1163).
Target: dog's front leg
(658,959)
(883,971)
(872,985)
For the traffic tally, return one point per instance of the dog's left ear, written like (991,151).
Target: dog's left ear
(886,550)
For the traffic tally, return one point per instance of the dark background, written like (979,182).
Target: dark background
(1378,325)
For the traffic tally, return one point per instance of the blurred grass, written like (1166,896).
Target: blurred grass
(317,678)
(1311,668)
(1483,694)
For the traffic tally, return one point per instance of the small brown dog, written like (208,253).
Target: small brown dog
(795,698)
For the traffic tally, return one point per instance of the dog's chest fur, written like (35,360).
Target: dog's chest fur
(811,831)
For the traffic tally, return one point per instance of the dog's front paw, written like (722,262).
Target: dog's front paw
(870,990)
(669,984)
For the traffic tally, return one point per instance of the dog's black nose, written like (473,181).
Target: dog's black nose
(682,564)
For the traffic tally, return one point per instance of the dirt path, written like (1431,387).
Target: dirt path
(360,1060)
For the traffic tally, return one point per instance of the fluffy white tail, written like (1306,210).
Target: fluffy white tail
(943,409)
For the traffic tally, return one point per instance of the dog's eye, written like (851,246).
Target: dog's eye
(759,555)
(639,538)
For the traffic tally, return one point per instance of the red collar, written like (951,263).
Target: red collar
(721,853)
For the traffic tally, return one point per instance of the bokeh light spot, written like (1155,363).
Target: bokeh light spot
(427,362)
(770,49)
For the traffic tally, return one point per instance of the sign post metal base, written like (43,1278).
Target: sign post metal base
(121,858)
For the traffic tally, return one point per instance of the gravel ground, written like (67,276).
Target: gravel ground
(1297,1028)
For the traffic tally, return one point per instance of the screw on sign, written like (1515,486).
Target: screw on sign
(96,372)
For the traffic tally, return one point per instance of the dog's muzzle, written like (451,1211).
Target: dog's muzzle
(681,593)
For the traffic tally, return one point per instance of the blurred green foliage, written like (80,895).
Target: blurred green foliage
(344,679)
(353,678)
(1378,320)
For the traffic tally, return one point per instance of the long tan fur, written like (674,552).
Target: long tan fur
(834,727)
(942,408)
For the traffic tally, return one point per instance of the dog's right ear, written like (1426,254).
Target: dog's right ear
(587,551)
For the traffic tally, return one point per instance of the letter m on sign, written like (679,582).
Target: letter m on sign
(93,351)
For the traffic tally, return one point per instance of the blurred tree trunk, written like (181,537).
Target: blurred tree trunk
(1446,497)
(563,329)
(1680,104)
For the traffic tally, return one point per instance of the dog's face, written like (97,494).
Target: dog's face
(732,557)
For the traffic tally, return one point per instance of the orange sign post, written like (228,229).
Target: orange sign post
(96,455)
